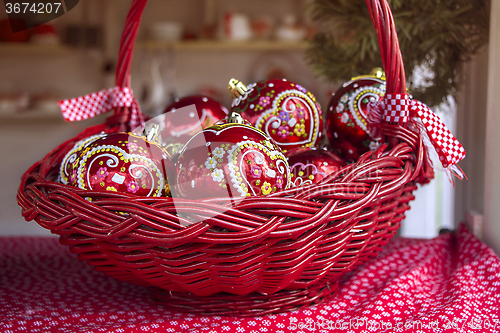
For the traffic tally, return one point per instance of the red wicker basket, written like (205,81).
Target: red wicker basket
(277,253)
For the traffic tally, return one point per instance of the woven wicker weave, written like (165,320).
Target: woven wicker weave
(277,252)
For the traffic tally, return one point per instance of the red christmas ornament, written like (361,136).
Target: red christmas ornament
(346,120)
(123,162)
(188,116)
(68,162)
(284,110)
(310,165)
(230,160)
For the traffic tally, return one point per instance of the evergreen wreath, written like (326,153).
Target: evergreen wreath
(439,35)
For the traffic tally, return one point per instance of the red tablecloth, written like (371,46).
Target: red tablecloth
(447,284)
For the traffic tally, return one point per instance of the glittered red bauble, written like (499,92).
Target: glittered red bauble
(346,120)
(230,160)
(123,162)
(68,162)
(284,110)
(188,116)
(310,165)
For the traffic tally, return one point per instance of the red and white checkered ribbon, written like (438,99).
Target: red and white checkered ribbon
(396,108)
(393,109)
(97,103)
(399,108)
(448,148)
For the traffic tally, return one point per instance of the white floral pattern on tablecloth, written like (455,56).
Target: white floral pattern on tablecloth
(447,284)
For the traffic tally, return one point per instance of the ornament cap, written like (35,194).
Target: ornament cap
(152,133)
(378,72)
(236,88)
(235,118)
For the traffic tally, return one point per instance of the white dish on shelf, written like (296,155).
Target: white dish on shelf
(8,106)
(166,31)
(47,107)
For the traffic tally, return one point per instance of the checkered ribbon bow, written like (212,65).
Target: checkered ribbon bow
(399,108)
(94,104)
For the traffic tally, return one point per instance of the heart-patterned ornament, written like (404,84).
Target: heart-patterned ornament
(69,161)
(186,117)
(310,165)
(347,115)
(123,162)
(284,110)
(230,160)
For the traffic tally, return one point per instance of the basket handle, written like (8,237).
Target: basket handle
(380,14)
(388,42)
(127,42)
(121,120)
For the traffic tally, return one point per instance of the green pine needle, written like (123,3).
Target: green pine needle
(438,34)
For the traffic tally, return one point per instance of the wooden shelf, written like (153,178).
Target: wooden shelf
(214,45)
(34,49)
(32,115)
(47,117)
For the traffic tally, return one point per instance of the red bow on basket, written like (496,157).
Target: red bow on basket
(399,108)
(94,104)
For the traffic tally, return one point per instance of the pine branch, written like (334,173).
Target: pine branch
(440,35)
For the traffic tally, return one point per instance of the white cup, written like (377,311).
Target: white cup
(237,27)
